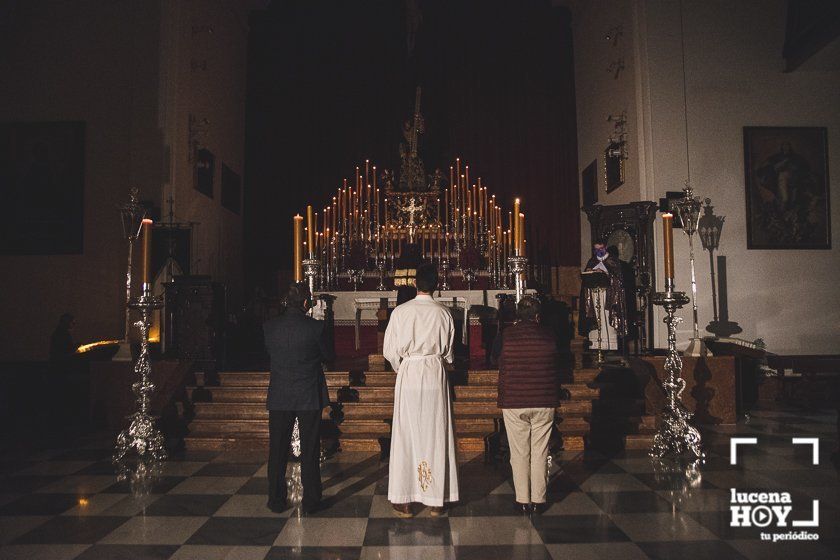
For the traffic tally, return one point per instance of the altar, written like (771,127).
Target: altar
(475,311)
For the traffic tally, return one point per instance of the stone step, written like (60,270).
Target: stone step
(344,393)
(473,441)
(639,441)
(585,375)
(358,442)
(372,410)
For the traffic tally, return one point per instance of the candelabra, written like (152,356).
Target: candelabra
(675,435)
(518,266)
(141,435)
(689,209)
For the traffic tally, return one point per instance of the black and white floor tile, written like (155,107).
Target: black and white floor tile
(66,504)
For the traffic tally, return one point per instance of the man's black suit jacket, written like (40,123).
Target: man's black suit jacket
(295,343)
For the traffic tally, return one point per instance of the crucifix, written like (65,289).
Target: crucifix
(412,209)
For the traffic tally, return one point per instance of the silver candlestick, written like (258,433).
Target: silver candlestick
(444,280)
(311,269)
(141,435)
(675,435)
(518,266)
(380,266)
(689,209)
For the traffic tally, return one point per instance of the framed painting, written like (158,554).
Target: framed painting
(787,187)
(42,184)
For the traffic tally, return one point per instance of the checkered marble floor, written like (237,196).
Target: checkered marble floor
(65,503)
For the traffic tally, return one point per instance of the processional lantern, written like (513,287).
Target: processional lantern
(132,214)
(689,209)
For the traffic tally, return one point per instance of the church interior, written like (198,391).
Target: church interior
(653,173)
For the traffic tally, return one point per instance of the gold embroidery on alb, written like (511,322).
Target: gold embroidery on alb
(424,475)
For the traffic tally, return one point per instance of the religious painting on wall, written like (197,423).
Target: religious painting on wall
(42,168)
(787,186)
(231,189)
(589,183)
(205,164)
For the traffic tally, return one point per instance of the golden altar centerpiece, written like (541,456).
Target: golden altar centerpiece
(378,221)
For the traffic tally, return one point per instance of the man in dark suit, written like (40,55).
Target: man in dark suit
(298,389)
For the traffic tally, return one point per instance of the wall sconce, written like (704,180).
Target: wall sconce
(197,128)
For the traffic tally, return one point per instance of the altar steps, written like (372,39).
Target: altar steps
(232,414)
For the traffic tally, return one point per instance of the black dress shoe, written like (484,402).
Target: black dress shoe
(278,507)
(539,509)
(521,509)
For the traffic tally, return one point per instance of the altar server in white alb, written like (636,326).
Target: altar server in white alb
(419,338)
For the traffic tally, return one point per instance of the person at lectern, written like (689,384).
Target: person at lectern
(423,466)
(297,389)
(613,304)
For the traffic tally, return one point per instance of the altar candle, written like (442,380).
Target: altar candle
(668,239)
(367,170)
(515,224)
(467,177)
(146,226)
(522,234)
(297,264)
(458,169)
(480,199)
(446,209)
(310,228)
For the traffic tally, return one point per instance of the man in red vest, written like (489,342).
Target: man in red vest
(529,386)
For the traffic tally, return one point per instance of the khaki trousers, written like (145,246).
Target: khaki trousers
(528,431)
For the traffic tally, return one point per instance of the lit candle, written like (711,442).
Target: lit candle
(297,263)
(522,234)
(668,239)
(147,251)
(515,225)
(310,229)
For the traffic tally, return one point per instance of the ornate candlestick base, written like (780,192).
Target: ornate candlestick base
(518,266)
(141,435)
(675,435)
(311,269)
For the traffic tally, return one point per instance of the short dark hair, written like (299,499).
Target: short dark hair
(426,278)
(528,308)
(298,295)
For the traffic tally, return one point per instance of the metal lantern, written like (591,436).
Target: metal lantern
(710,228)
(131,214)
(689,209)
